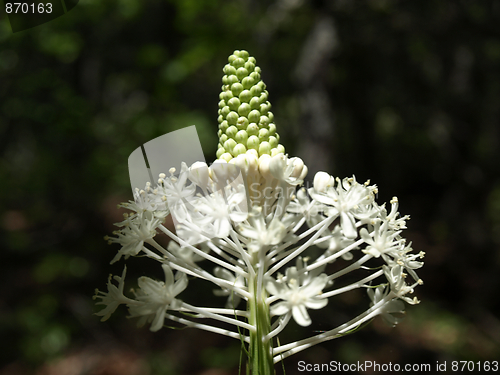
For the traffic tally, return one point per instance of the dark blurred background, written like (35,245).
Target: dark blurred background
(404,93)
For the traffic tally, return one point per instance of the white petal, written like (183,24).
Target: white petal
(198,174)
(301,316)
(348,225)
(274,288)
(180,285)
(158,320)
(316,303)
(280,308)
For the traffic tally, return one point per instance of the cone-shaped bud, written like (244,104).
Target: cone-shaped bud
(245,120)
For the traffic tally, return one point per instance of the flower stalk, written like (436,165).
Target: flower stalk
(260,352)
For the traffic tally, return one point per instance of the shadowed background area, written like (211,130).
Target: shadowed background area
(404,93)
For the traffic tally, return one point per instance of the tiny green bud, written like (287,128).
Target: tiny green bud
(272,129)
(247,82)
(226,156)
(223,126)
(238,150)
(241,73)
(245,96)
(264,148)
(250,66)
(236,88)
(263,134)
(242,123)
(264,121)
(262,85)
(232,118)
(227,95)
(273,141)
(254,116)
(270,115)
(253,142)
(264,108)
(255,103)
(223,138)
(231,58)
(222,103)
(241,137)
(252,60)
(243,54)
(275,152)
(225,111)
(263,97)
(244,109)
(233,104)
(229,144)
(229,70)
(255,76)
(256,90)
(224,81)
(253,129)
(219,153)
(238,63)
(220,119)
(231,131)
(219,133)
(281,149)
(232,79)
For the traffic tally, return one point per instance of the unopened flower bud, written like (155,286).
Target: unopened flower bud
(264,161)
(239,149)
(244,116)
(322,181)
(198,174)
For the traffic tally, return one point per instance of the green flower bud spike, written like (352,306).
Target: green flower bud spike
(245,121)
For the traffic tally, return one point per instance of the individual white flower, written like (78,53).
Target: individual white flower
(298,293)
(185,253)
(221,208)
(303,206)
(406,260)
(287,170)
(223,174)
(336,242)
(345,200)
(176,192)
(383,241)
(146,200)
(237,281)
(113,298)
(262,233)
(198,174)
(139,229)
(395,306)
(396,278)
(323,181)
(396,222)
(155,297)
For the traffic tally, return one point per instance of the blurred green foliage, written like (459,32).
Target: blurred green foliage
(405,93)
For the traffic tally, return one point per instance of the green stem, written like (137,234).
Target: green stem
(260,360)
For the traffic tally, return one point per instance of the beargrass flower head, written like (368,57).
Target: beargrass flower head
(265,243)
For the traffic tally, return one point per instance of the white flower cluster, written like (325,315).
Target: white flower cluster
(262,239)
